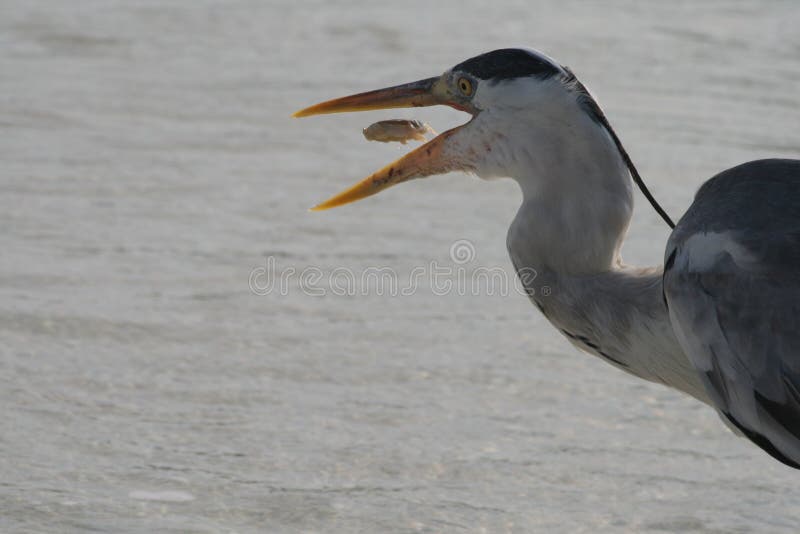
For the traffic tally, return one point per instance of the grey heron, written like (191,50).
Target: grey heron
(720,321)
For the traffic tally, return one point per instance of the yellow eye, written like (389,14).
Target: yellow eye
(465,86)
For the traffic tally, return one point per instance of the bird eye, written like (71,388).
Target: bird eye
(465,86)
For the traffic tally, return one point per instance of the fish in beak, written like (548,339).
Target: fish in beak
(434,157)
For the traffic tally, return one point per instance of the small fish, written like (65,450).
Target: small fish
(397,130)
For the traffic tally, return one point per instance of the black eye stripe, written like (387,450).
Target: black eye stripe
(508,63)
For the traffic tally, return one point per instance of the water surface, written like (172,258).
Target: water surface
(149,165)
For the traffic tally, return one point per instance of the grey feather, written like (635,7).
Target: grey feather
(733,292)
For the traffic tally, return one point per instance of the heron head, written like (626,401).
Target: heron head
(511,94)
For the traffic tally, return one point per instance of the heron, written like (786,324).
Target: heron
(719,321)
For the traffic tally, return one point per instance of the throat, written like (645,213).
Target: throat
(565,245)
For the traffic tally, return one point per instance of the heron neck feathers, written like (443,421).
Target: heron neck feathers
(565,243)
(577,198)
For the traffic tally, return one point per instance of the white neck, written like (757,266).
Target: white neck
(577,204)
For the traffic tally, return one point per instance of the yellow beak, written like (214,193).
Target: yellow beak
(408,95)
(429,159)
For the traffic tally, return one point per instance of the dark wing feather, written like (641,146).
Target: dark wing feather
(733,293)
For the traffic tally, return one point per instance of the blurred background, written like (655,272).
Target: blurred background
(150,167)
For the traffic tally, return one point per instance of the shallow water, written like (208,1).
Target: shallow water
(150,169)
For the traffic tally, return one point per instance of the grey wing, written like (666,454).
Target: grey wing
(732,287)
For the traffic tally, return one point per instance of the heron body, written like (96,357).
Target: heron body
(732,283)
(721,322)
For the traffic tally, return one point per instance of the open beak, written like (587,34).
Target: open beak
(431,158)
